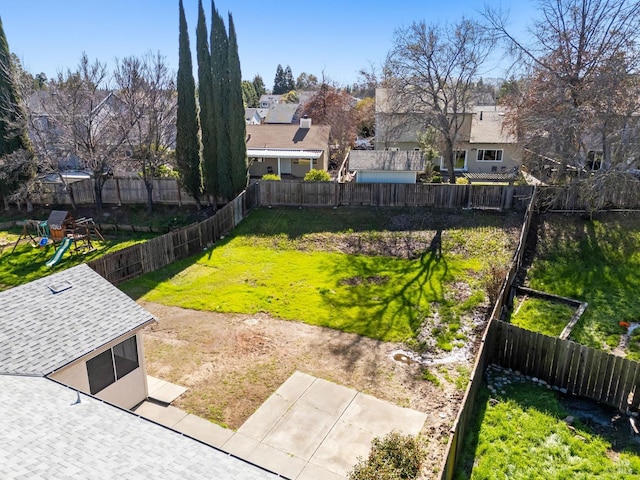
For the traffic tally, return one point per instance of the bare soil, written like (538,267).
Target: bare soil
(232,363)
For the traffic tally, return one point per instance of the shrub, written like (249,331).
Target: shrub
(462,181)
(317,176)
(392,457)
(270,176)
(492,282)
(436,179)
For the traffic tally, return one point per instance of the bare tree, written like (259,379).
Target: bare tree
(431,71)
(581,103)
(147,118)
(88,119)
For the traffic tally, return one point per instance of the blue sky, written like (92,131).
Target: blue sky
(337,37)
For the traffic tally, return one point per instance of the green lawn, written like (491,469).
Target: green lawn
(292,264)
(27,262)
(594,261)
(543,316)
(522,435)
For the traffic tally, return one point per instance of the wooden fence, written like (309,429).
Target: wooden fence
(116,191)
(161,251)
(575,368)
(330,194)
(583,198)
(484,355)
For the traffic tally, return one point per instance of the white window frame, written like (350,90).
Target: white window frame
(499,153)
(443,163)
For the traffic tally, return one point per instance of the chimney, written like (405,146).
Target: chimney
(305,122)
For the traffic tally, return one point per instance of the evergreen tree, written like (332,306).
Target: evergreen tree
(187,144)
(220,70)
(237,124)
(208,124)
(258,85)
(13,127)
(279,85)
(289,82)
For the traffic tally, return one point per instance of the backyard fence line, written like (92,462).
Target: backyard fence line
(575,369)
(136,260)
(572,198)
(487,345)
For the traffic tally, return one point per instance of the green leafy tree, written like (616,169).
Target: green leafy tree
(237,124)
(208,114)
(258,85)
(289,83)
(306,81)
(187,143)
(249,96)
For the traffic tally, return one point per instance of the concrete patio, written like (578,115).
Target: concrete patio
(309,429)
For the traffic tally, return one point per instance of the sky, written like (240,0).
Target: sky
(334,37)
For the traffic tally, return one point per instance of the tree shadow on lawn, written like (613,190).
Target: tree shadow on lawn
(391,297)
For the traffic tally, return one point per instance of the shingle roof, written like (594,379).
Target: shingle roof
(281,113)
(46,434)
(288,136)
(487,126)
(41,331)
(404,160)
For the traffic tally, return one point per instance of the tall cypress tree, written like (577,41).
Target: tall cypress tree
(16,169)
(237,124)
(289,82)
(220,70)
(207,107)
(187,143)
(279,82)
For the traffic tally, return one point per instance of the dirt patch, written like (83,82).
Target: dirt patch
(232,363)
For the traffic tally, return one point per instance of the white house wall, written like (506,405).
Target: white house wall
(127,392)
(385,177)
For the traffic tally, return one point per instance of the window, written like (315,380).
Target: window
(301,161)
(489,155)
(111,365)
(459,162)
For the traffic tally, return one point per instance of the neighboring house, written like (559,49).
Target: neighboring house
(269,101)
(282,113)
(287,150)
(70,354)
(484,144)
(78,329)
(252,116)
(383,166)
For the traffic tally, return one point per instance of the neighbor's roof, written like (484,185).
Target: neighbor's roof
(487,125)
(288,137)
(408,160)
(47,434)
(281,113)
(57,319)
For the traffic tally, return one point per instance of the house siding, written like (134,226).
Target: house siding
(127,392)
(365,176)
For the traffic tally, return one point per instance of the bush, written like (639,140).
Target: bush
(392,457)
(270,176)
(317,176)
(436,179)
(462,181)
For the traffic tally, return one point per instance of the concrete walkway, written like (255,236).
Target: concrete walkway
(309,429)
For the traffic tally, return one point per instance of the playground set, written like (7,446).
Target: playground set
(60,229)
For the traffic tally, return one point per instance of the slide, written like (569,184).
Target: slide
(60,251)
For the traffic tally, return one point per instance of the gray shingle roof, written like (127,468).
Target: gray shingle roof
(41,331)
(46,434)
(406,160)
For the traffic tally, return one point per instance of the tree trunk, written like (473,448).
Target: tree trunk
(148,183)
(97,189)
(72,198)
(6,203)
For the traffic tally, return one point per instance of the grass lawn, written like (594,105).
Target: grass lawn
(308,265)
(522,435)
(27,262)
(543,316)
(594,261)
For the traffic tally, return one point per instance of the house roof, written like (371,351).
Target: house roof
(487,125)
(282,153)
(408,160)
(281,113)
(48,434)
(288,137)
(57,319)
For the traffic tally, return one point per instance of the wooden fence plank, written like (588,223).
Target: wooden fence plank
(586,372)
(615,380)
(622,391)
